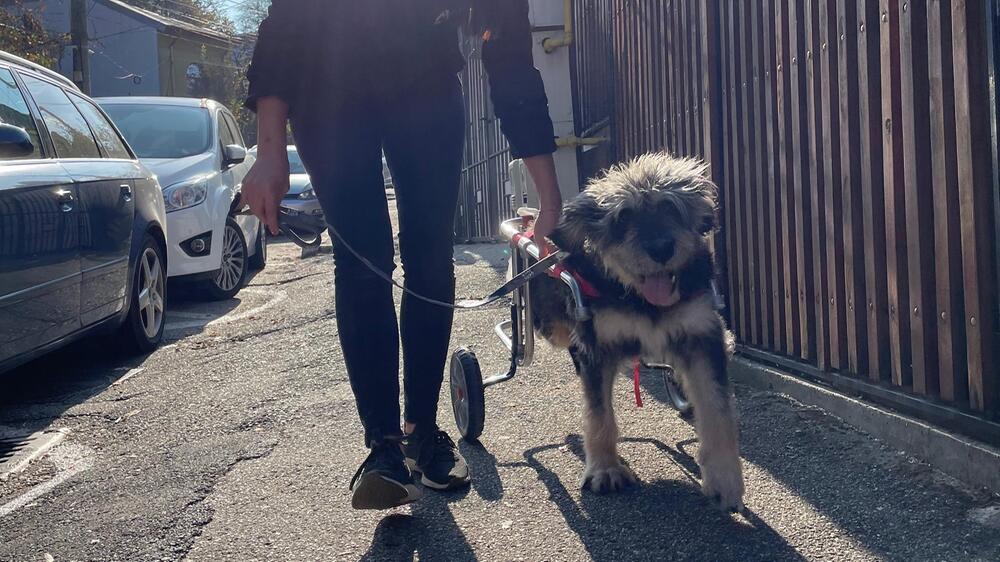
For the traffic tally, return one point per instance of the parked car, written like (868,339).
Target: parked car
(82,222)
(196,150)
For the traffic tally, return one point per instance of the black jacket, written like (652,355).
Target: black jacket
(311,50)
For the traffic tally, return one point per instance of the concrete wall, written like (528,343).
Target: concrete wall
(555,70)
(123,59)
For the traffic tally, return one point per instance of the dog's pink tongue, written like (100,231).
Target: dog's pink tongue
(659,290)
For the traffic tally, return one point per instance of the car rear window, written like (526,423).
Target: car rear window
(70,133)
(163,131)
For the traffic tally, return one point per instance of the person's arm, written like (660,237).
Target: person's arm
(277,65)
(521,104)
(267,182)
(274,75)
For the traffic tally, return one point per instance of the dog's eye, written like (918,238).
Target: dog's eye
(707,224)
(620,224)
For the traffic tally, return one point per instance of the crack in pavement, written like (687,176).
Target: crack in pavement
(281,282)
(195,514)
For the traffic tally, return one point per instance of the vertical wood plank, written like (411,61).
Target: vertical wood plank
(944,182)
(975,177)
(747,179)
(757,156)
(892,145)
(672,64)
(785,154)
(729,230)
(685,81)
(873,199)
(710,91)
(814,89)
(832,188)
(666,100)
(696,64)
(850,154)
(918,200)
(777,268)
(737,181)
(809,324)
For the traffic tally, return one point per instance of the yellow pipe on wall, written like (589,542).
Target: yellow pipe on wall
(551,44)
(574,141)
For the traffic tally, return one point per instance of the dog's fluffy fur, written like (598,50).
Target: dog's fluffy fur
(640,235)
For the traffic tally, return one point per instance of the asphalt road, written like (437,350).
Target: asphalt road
(237,441)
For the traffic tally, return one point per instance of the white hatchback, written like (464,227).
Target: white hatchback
(196,150)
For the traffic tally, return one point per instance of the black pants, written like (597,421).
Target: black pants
(341,141)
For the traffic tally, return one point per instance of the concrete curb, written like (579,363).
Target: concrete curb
(960,457)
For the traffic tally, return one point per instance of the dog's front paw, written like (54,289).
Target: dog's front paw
(722,481)
(608,478)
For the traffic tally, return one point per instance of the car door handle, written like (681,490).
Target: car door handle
(126,192)
(66,200)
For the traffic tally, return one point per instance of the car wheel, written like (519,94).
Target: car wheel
(233,273)
(259,259)
(143,327)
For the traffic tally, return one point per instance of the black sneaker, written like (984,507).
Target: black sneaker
(434,455)
(383,481)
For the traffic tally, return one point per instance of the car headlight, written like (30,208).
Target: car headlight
(184,195)
(307,194)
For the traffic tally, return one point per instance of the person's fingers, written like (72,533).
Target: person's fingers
(270,215)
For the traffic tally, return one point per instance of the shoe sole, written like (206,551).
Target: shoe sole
(375,491)
(453,484)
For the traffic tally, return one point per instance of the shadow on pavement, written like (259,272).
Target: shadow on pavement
(844,475)
(430,533)
(483,465)
(659,520)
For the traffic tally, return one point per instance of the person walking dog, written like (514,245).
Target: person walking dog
(355,78)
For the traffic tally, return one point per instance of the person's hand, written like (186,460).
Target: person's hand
(265,185)
(543,171)
(544,226)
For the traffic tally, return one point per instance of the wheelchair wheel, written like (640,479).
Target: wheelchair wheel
(676,394)
(467,397)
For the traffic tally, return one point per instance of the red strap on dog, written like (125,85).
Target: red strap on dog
(635,382)
(588,290)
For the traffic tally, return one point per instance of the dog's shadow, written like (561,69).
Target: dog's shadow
(659,520)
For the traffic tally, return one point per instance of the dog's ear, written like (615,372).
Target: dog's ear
(579,220)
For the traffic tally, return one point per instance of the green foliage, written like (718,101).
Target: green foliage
(22,34)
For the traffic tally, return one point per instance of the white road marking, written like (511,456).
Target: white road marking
(128,375)
(39,444)
(69,460)
(276,298)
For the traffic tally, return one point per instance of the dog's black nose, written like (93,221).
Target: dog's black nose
(660,249)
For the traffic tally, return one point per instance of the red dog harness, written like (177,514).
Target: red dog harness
(589,291)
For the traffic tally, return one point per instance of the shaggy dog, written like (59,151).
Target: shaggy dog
(640,235)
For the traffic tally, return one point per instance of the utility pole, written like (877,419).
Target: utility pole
(81,53)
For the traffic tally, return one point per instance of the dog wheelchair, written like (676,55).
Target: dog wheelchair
(518,336)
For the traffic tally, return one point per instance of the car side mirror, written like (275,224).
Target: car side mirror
(232,155)
(15,142)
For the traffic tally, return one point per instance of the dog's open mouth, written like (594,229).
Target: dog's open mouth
(660,289)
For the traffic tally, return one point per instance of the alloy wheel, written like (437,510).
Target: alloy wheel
(233,260)
(151,283)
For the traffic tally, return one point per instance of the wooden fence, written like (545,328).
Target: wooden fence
(853,146)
